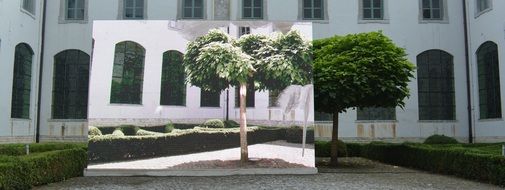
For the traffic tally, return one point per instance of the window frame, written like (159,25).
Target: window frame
(122,10)
(497,83)
(62,18)
(252,9)
(138,79)
(479,11)
(165,70)
(25,90)
(204,95)
(430,84)
(444,16)
(182,6)
(82,101)
(33,7)
(372,9)
(324,11)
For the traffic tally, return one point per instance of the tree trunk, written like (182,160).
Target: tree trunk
(244,158)
(334,141)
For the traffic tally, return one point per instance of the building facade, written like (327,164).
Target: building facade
(46,47)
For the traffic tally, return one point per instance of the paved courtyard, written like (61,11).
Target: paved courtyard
(355,173)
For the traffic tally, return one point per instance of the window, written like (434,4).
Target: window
(21,85)
(192,9)
(376,114)
(70,85)
(128,73)
(133,9)
(432,9)
(250,96)
(252,9)
(244,31)
(313,9)
(210,98)
(29,6)
(435,75)
(373,9)
(482,5)
(75,10)
(320,116)
(489,81)
(173,87)
(273,98)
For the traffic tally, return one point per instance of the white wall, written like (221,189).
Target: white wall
(488,26)
(17,26)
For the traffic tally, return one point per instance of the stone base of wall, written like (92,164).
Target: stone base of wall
(16,139)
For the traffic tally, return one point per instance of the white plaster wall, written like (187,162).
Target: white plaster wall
(488,26)
(156,38)
(17,26)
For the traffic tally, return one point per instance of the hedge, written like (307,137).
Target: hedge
(19,149)
(108,148)
(458,161)
(23,172)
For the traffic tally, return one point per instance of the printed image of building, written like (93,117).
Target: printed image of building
(46,51)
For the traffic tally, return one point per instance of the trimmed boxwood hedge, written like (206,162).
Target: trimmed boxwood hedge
(108,148)
(19,149)
(23,172)
(458,161)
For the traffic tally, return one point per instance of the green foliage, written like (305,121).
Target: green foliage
(19,149)
(118,132)
(169,127)
(142,132)
(323,149)
(360,70)
(213,123)
(440,139)
(93,131)
(294,134)
(23,172)
(128,129)
(460,162)
(231,124)
(215,61)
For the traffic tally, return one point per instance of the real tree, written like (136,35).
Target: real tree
(216,61)
(357,71)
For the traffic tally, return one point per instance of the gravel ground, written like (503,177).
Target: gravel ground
(354,173)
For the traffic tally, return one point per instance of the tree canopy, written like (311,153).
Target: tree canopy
(360,70)
(215,61)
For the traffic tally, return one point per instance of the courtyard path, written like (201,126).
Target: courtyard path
(355,173)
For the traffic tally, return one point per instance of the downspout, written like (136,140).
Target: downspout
(468,78)
(41,68)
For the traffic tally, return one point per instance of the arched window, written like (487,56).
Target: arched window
(70,85)
(128,73)
(489,81)
(173,88)
(435,75)
(21,85)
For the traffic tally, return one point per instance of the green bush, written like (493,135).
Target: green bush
(19,149)
(294,134)
(213,123)
(323,149)
(143,132)
(94,131)
(231,124)
(169,127)
(453,161)
(118,132)
(440,139)
(23,172)
(129,130)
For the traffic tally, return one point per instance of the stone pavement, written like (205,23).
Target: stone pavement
(354,173)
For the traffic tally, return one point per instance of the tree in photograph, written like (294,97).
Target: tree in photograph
(358,70)
(217,61)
